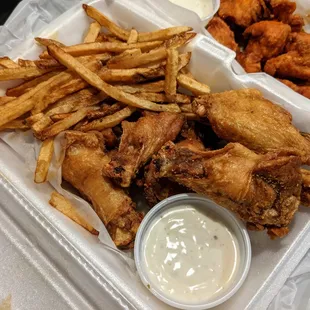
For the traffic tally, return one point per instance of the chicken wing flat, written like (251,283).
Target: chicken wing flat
(301,89)
(246,117)
(243,12)
(82,168)
(221,32)
(263,190)
(140,140)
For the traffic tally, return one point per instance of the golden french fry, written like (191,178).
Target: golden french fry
(59,117)
(107,23)
(21,73)
(134,61)
(123,34)
(47,42)
(129,54)
(103,47)
(171,73)
(16,124)
(186,107)
(26,86)
(8,63)
(31,120)
(71,103)
(40,125)
(180,40)
(153,87)
(52,63)
(109,121)
(103,37)
(26,63)
(6,99)
(133,36)
(105,110)
(93,31)
(137,75)
(21,105)
(44,161)
(64,206)
(194,86)
(65,124)
(184,60)
(178,98)
(94,80)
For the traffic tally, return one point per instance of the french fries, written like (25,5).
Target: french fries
(178,98)
(133,36)
(44,161)
(8,63)
(21,73)
(93,31)
(6,99)
(64,124)
(63,205)
(16,124)
(26,63)
(152,87)
(109,121)
(171,73)
(103,47)
(191,84)
(47,42)
(94,80)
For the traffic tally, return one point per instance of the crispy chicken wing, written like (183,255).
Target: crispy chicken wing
(243,12)
(296,22)
(289,65)
(282,9)
(82,167)
(140,140)
(221,32)
(299,42)
(263,190)
(245,116)
(267,39)
(305,193)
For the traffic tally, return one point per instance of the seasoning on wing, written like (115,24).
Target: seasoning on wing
(221,32)
(263,190)
(82,167)
(245,116)
(140,140)
(267,39)
(243,12)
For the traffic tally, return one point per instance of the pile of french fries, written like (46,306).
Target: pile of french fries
(97,84)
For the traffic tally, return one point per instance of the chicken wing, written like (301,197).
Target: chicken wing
(221,32)
(243,12)
(82,168)
(305,193)
(282,9)
(245,116)
(289,65)
(296,22)
(267,39)
(140,140)
(299,42)
(263,190)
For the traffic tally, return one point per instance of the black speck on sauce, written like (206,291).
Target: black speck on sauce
(215,237)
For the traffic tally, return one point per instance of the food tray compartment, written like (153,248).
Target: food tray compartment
(272,261)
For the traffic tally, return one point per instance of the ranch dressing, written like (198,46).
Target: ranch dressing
(201,7)
(190,255)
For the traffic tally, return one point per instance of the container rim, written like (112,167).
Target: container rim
(223,213)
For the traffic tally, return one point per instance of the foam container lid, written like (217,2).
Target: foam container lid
(95,270)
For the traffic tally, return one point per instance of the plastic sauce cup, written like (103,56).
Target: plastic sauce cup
(234,225)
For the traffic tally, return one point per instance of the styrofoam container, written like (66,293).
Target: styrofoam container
(93,271)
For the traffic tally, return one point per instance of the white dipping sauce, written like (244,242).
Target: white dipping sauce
(202,7)
(190,255)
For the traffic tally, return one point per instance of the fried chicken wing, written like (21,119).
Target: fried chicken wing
(267,39)
(221,32)
(263,190)
(299,42)
(140,140)
(296,22)
(289,65)
(243,12)
(282,9)
(305,193)
(245,116)
(82,168)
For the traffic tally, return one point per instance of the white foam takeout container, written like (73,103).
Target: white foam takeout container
(91,272)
